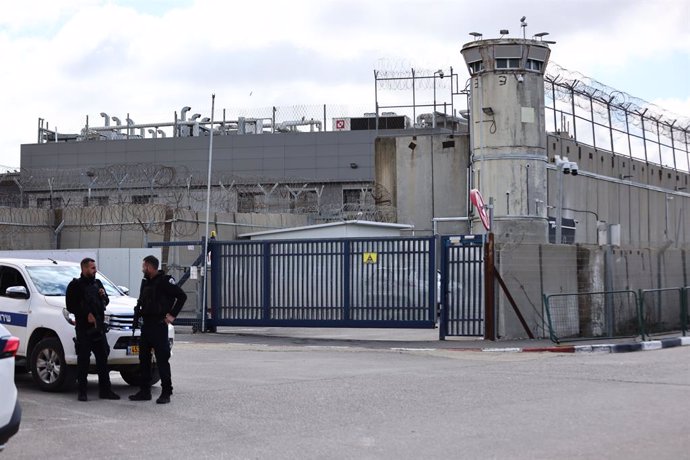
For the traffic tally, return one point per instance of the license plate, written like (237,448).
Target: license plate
(133,350)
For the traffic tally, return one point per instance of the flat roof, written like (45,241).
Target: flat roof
(363,223)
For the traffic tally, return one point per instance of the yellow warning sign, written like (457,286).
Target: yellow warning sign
(369,257)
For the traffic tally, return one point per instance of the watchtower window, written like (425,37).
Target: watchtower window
(533,64)
(476,67)
(508,63)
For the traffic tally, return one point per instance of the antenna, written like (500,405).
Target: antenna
(476,35)
(523,24)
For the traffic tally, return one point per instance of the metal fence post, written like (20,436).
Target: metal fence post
(346,279)
(266,281)
(684,309)
(215,283)
(640,312)
(433,278)
(552,334)
(489,297)
(443,316)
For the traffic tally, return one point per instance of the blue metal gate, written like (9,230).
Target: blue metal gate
(357,282)
(462,286)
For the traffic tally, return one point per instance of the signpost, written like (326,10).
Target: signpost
(478,202)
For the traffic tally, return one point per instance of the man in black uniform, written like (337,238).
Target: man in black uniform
(160,301)
(86,299)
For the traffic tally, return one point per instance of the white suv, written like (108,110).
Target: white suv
(10,412)
(32,307)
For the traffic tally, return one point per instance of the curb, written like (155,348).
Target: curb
(597,348)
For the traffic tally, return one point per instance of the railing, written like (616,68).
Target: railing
(587,315)
(612,314)
(663,310)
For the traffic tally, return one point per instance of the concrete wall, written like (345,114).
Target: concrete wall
(531,270)
(427,177)
(651,203)
(322,156)
(22,228)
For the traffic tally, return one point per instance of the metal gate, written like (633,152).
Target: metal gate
(355,282)
(184,261)
(462,286)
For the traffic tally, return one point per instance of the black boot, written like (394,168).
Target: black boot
(164,398)
(81,395)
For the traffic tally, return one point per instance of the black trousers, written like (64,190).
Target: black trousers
(154,335)
(85,346)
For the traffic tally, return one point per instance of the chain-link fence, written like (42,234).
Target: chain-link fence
(664,310)
(586,315)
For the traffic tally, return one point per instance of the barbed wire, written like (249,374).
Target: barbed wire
(157,198)
(588,95)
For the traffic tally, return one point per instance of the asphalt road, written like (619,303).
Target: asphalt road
(283,400)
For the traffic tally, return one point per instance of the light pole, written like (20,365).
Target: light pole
(439,72)
(563,167)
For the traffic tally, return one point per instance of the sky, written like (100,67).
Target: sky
(64,60)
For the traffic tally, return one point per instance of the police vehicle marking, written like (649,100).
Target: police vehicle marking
(14,319)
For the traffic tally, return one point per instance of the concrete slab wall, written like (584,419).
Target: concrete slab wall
(530,271)
(427,177)
(650,202)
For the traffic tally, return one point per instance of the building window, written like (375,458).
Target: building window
(533,64)
(508,63)
(351,199)
(46,203)
(96,201)
(248,201)
(142,199)
(305,202)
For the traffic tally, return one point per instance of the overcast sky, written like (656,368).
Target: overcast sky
(65,59)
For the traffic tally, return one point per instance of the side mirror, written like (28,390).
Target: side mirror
(124,289)
(17,292)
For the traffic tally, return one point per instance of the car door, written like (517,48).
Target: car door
(14,308)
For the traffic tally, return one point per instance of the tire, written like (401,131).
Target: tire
(48,367)
(132,376)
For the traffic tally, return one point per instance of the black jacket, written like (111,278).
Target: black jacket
(159,296)
(82,298)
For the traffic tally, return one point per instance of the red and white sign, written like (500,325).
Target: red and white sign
(341,124)
(478,202)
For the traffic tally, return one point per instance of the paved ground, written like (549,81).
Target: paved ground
(331,394)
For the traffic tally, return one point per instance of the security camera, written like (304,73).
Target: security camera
(573,169)
(566,168)
(520,78)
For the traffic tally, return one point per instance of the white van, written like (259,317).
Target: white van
(32,308)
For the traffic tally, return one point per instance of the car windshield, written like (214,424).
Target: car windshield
(52,280)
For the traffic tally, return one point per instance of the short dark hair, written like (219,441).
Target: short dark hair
(86,261)
(152,261)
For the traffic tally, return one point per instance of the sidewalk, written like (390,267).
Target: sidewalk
(427,339)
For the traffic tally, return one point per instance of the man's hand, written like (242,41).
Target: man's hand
(169,319)
(91,319)
(101,292)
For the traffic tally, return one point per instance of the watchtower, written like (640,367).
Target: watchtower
(508,132)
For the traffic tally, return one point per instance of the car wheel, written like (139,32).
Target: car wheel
(48,367)
(133,375)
